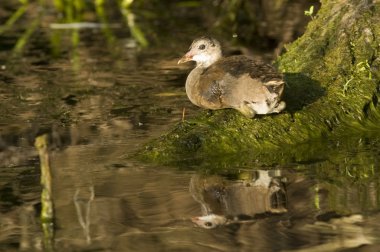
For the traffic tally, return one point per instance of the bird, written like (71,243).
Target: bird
(236,82)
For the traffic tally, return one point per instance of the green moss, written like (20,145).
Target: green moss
(332,86)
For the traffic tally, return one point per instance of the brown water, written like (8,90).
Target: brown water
(100,104)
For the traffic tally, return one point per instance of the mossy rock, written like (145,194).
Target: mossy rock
(332,74)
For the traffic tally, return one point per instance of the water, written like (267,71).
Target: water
(103,202)
(99,105)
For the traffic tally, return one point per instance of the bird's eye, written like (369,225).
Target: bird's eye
(201,47)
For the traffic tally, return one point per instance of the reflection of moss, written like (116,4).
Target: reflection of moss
(316,66)
(350,177)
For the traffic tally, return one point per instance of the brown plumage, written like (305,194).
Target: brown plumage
(233,82)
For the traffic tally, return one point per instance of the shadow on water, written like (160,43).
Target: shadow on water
(301,91)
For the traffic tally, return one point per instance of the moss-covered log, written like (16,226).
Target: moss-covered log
(332,75)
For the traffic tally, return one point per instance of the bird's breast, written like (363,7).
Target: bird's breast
(203,92)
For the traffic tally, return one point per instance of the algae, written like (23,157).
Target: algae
(332,75)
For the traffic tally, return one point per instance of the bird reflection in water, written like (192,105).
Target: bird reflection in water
(224,202)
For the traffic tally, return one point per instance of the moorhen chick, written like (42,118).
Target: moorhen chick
(236,82)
